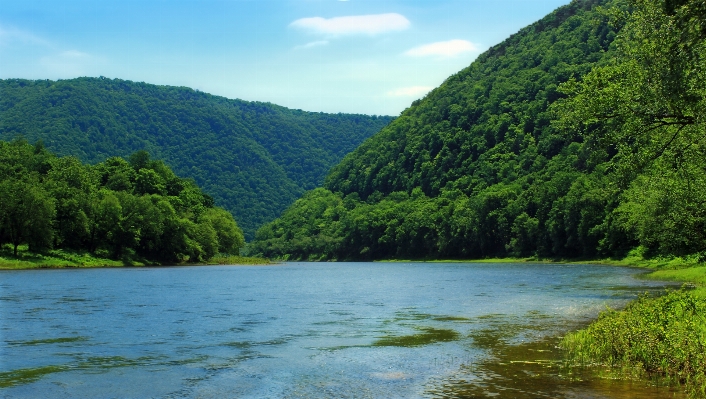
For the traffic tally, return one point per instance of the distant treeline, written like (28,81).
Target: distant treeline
(580,136)
(118,208)
(255,159)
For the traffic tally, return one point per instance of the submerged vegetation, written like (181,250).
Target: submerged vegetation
(425,336)
(129,211)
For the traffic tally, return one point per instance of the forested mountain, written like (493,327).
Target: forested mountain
(253,158)
(497,161)
(117,208)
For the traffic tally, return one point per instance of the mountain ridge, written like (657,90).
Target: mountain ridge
(254,158)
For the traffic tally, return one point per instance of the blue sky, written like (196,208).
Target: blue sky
(354,56)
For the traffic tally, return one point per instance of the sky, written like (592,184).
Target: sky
(354,56)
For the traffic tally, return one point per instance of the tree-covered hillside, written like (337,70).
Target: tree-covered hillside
(253,158)
(497,162)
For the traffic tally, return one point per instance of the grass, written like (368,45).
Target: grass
(56,259)
(238,260)
(662,338)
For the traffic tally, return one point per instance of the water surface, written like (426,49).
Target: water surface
(321,330)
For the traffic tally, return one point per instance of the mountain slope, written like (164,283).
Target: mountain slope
(475,168)
(254,158)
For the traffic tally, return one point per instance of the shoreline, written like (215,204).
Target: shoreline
(676,269)
(59,259)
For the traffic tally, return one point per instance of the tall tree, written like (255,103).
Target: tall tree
(650,99)
(26,213)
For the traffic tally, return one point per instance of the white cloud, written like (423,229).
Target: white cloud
(413,91)
(353,25)
(317,43)
(449,48)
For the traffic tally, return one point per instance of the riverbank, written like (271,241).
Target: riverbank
(59,259)
(658,338)
(689,269)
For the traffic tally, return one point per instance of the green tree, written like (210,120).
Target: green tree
(650,99)
(230,237)
(648,106)
(26,213)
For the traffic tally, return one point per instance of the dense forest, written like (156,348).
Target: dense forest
(129,209)
(579,136)
(253,158)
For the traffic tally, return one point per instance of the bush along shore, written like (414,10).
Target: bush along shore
(661,338)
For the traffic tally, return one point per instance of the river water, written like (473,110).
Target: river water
(305,330)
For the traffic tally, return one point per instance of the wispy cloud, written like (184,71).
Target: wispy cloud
(412,91)
(9,34)
(449,48)
(317,43)
(353,25)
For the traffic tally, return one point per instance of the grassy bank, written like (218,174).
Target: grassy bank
(57,259)
(661,338)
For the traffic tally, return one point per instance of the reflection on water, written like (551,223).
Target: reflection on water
(358,330)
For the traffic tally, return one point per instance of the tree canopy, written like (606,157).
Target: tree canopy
(118,208)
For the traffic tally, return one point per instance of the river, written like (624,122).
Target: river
(306,330)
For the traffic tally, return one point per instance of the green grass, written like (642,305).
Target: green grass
(238,260)
(56,259)
(662,338)
(656,337)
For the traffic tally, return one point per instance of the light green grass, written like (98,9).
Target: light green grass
(661,337)
(57,259)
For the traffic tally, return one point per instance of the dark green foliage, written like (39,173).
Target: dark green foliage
(649,105)
(475,169)
(119,208)
(254,159)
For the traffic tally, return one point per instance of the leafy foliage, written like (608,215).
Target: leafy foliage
(649,105)
(253,158)
(115,208)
